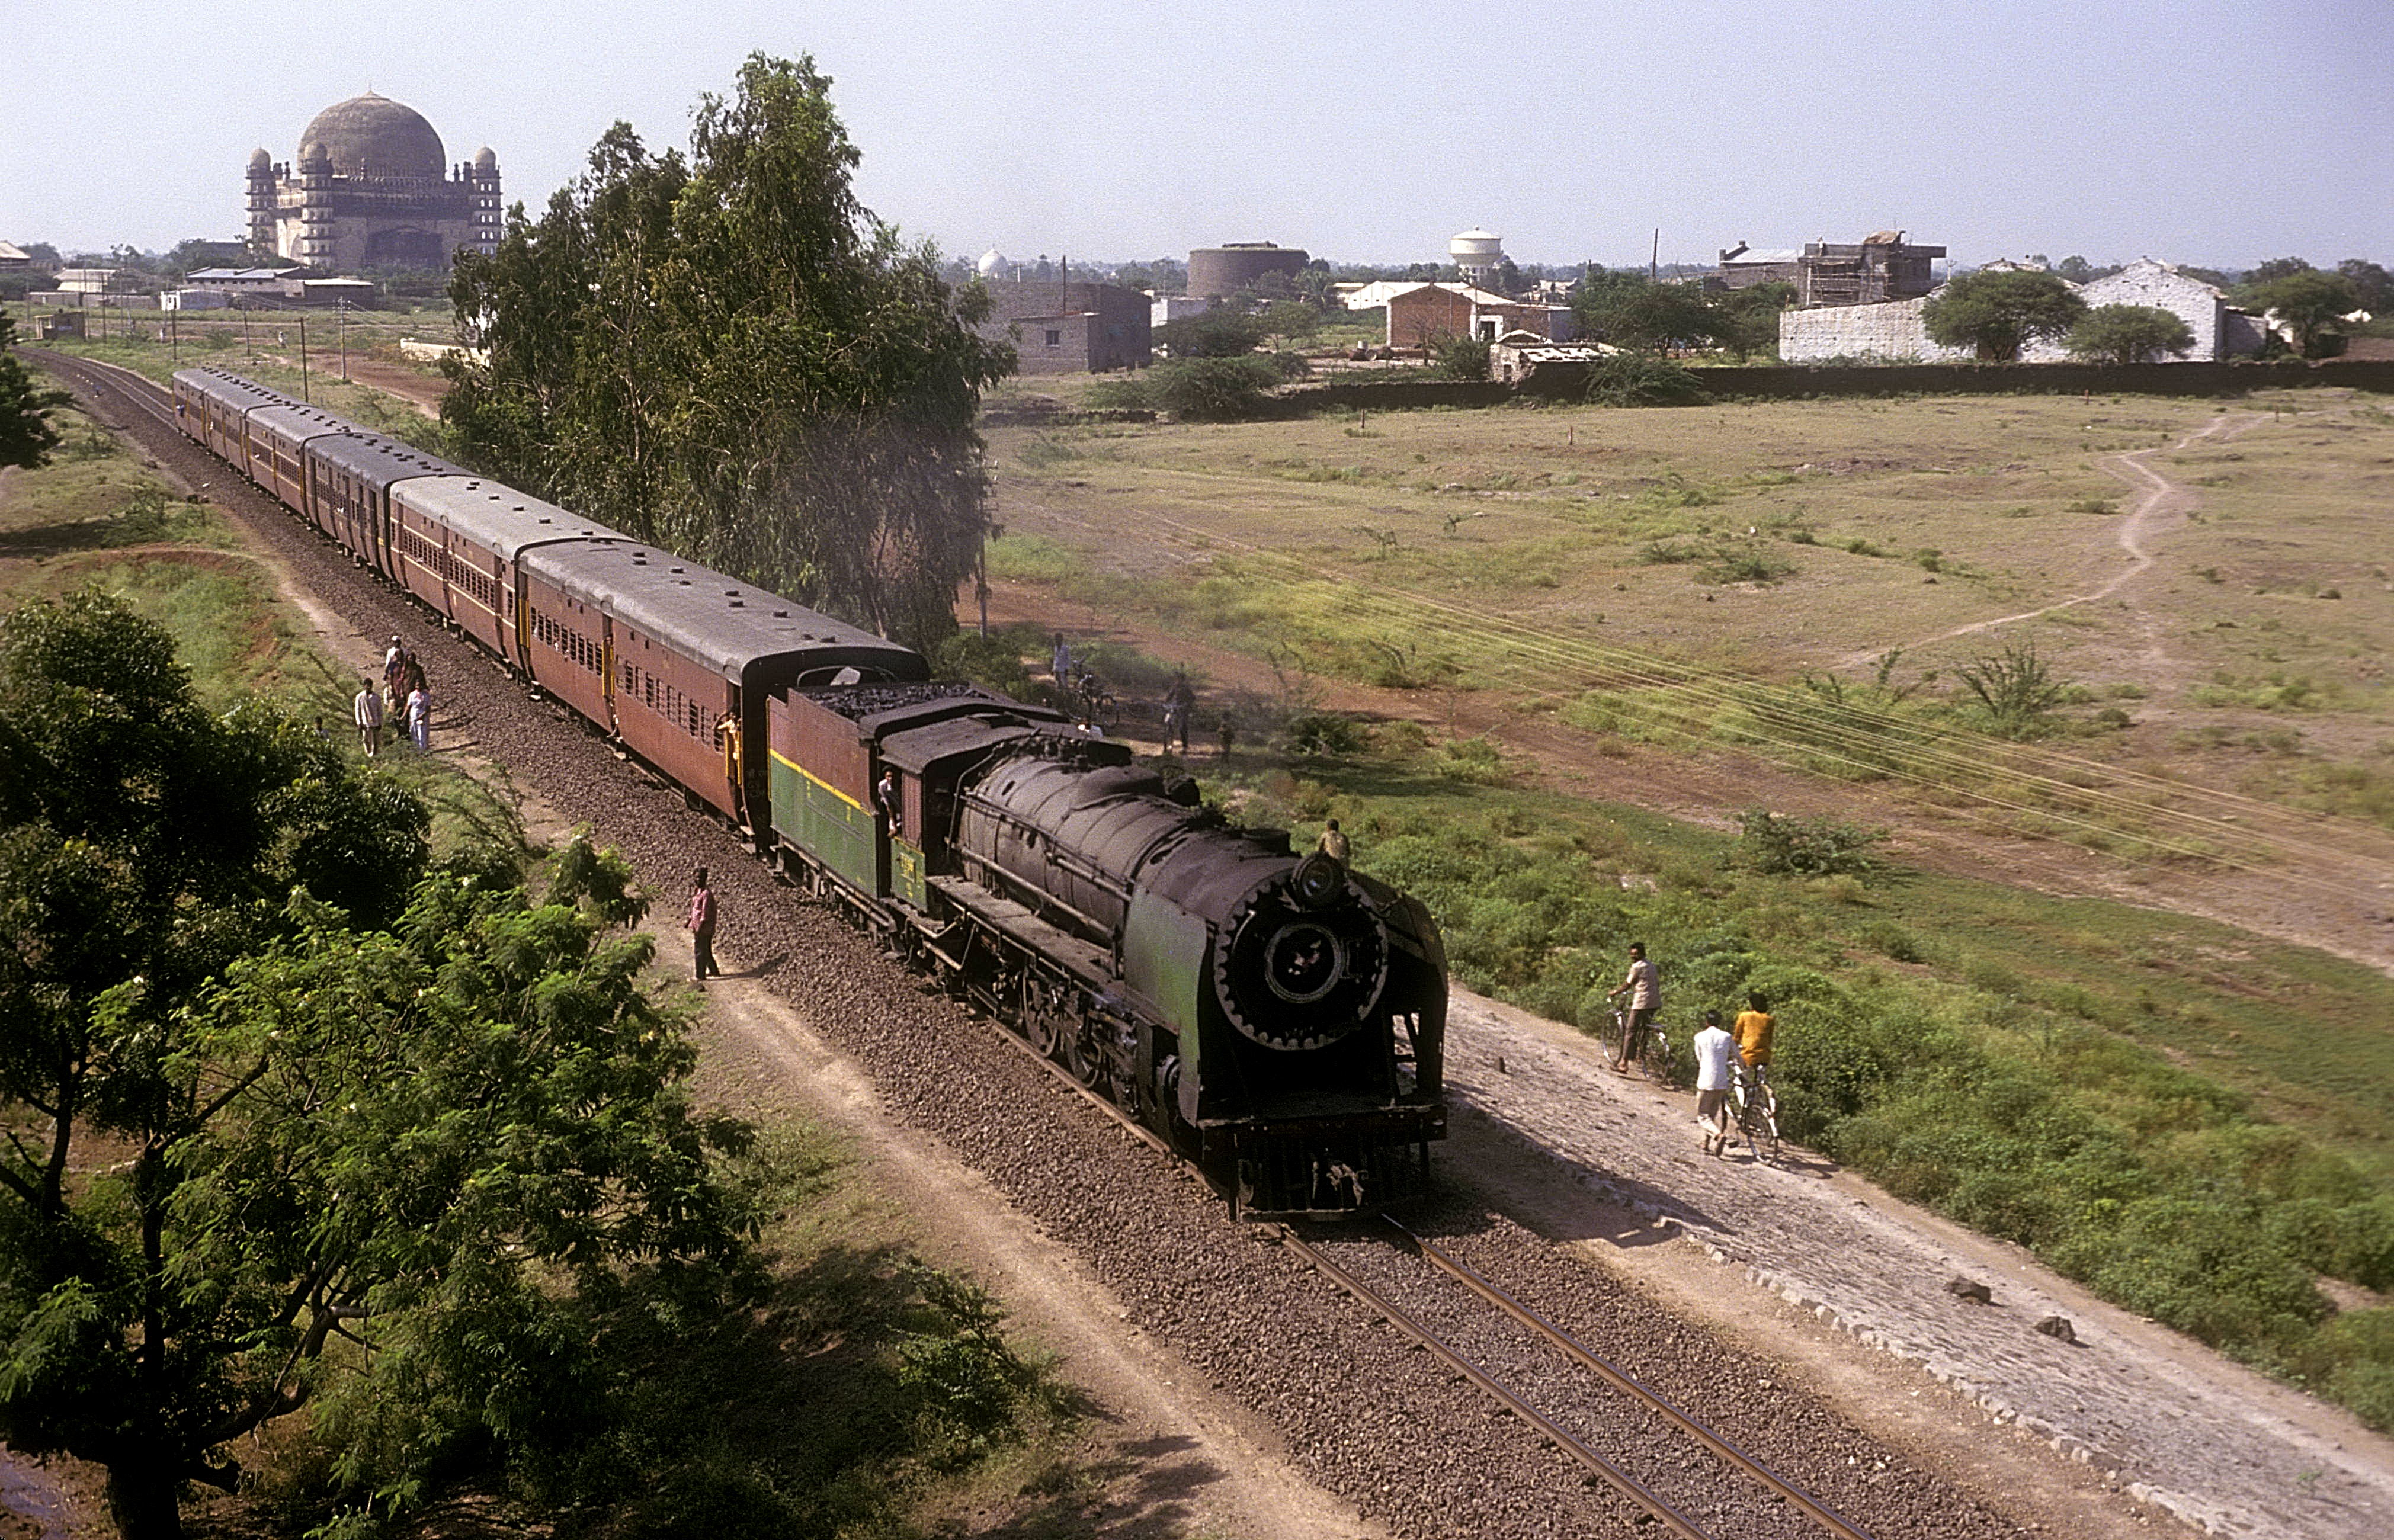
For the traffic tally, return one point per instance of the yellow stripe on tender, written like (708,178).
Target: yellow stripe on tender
(818,780)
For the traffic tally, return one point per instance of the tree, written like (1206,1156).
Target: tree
(1221,332)
(1460,358)
(1746,321)
(729,355)
(2371,284)
(26,436)
(2310,304)
(146,845)
(1289,320)
(2275,269)
(1996,314)
(2128,333)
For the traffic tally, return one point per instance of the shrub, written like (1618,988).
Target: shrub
(2017,687)
(1463,358)
(1749,562)
(1325,732)
(1633,379)
(1215,390)
(993,662)
(1779,843)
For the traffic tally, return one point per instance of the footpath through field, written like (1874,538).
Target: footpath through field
(2179,1427)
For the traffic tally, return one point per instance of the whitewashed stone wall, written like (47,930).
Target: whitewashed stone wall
(1895,333)
(1892,332)
(2146,281)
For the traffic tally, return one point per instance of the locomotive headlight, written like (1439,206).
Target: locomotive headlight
(1302,962)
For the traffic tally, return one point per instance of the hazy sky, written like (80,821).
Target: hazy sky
(2192,130)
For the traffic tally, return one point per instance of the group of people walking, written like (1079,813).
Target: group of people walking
(1722,1053)
(401,700)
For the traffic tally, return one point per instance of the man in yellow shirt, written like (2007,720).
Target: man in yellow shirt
(1754,1036)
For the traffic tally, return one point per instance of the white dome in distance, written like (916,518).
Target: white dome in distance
(993,264)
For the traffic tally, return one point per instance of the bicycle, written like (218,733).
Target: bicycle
(1756,1108)
(1654,1053)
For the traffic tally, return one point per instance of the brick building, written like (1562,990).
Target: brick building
(1421,315)
(1071,327)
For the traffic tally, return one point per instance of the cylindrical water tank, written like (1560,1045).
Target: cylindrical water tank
(1476,250)
(1214,271)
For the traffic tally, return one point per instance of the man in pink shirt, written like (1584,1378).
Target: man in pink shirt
(701,926)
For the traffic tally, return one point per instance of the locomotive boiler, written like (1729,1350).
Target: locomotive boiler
(1280,1021)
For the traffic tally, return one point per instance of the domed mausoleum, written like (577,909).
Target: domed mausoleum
(372,188)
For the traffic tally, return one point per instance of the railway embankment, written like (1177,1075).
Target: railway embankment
(2173,1424)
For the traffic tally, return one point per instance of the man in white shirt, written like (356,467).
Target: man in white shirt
(366,711)
(1715,1051)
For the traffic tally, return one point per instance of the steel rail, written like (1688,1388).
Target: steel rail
(134,390)
(1621,1480)
(1621,1380)
(1397,1316)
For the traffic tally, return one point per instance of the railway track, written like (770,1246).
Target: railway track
(1425,1463)
(1551,1427)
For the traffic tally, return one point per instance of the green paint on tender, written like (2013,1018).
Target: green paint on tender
(835,831)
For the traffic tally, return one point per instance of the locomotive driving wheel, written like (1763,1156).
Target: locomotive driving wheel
(1044,1019)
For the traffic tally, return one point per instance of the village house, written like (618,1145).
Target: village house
(1421,315)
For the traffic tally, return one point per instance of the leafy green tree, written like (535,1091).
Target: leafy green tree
(1216,389)
(1221,332)
(2371,284)
(2275,269)
(146,847)
(2312,304)
(1290,320)
(1746,321)
(26,436)
(1463,358)
(729,355)
(2128,333)
(1996,313)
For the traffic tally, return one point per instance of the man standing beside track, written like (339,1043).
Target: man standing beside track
(1644,988)
(701,926)
(366,710)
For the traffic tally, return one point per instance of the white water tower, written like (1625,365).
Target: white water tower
(1477,252)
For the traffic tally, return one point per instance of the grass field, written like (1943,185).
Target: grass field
(2189,1117)
(1645,571)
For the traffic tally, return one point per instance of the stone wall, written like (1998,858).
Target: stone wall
(1892,330)
(1782,382)
(2189,299)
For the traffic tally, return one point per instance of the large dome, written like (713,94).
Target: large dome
(372,135)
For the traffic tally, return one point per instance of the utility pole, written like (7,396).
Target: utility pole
(1654,261)
(341,322)
(303,363)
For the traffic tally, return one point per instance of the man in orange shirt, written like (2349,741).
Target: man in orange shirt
(1754,1036)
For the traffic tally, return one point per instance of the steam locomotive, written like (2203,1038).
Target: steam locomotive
(1278,1021)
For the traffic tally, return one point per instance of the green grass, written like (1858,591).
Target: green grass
(2188,1118)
